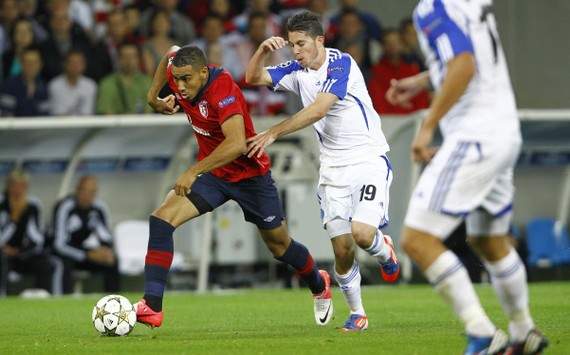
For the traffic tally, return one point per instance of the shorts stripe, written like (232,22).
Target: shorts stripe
(446,177)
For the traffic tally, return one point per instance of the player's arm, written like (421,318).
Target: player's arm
(232,147)
(402,91)
(459,72)
(256,73)
(165,105)
(300,120)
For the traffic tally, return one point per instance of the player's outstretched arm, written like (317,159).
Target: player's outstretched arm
(300,120)
(255,73)
(165,105)
(460,71)
(233,146)
(402,91)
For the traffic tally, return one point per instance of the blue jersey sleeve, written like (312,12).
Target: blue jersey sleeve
(447,35)
(338,73)
(283,76)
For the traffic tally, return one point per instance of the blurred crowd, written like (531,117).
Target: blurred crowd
(84,57)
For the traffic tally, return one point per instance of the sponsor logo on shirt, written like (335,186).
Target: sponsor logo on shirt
(226,101)
(269,219)
(203,106)
(333,69)
(201,131)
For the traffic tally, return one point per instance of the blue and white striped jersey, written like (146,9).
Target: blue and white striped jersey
(351,131)
(447,28)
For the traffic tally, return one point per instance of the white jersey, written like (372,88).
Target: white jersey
(447,28)
(351,131)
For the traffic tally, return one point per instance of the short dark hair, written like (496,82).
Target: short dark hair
(307,22)
(190,55)
(405,22)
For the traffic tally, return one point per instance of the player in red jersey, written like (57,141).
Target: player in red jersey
(217,112)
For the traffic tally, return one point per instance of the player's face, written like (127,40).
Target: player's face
(189,81)
(305,48)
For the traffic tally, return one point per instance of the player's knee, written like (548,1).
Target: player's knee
(363,235)
(344,251)
(410,243)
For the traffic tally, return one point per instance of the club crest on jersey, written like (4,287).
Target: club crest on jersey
(203,106)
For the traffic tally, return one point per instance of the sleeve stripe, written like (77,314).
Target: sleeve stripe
(35,234)
(7,233)
(61,236)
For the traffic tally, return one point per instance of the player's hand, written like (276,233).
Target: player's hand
(10,251)
(421,150)
(402,91)
(101,255)
(184,183)
(272,44)
(166,105)
(256,145)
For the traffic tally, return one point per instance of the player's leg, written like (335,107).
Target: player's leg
(454,183)
(205,195)
(371,200)
(261,205)
(488,237)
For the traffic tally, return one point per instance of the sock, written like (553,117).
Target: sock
(301,260)
(350,286)
(379,248)
(508,277)
(157,262)
(450,279)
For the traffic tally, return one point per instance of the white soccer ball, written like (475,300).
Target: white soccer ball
(114,315)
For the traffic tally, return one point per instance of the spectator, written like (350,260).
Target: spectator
(21,239)
(106,51)
(133,17)
(159,42)
(259,6)
(27,9)
(321,8)
(371,24)
(64,35)
(392,66)
(25,94)
(260,100)
(220,49)
(72,93)
(222,9)
(78,11)
(8,17)
(182,27)
(125,91)
(352,36)
(22,37)
(411,47)
(81,236)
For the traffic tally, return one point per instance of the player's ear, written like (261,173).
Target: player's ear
(204,72)
(320,39)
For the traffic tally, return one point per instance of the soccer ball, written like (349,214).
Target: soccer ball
(114,315)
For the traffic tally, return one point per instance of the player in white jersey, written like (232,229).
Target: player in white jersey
(355,173)
(471,176)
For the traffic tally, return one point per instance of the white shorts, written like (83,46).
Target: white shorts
(358,192)
(470,180)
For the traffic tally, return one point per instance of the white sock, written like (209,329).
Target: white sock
(508,277)
(350,286)
(379,248)
(450,279)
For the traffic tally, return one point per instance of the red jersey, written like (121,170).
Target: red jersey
(218,100)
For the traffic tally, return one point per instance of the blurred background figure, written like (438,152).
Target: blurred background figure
(273,27)
(411,47)
(22,37)
(159,41)
(82,238)
(21,238)
(8,17)
(71,93)
(27,9)
(182,27)
(372,25)
(261,100)
(220,49)
(124,91)
(25,94)
(64,35)
(353,38)
(393,66)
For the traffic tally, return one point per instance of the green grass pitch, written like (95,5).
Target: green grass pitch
(403,320)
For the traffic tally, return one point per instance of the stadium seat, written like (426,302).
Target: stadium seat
(548,243)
